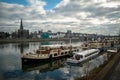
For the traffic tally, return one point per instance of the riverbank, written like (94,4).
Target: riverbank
(35,40)
(106,72)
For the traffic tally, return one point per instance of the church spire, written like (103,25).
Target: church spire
(21,25)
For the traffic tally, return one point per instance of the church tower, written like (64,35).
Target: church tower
(21,25)
(22,33)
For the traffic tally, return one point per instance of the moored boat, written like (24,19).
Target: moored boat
(112,50)
(46,53)
(83,55)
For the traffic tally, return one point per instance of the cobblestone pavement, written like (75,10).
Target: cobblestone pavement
(116,73)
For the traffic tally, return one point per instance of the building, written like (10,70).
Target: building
(22,33)
(4,35)
(69,34)
(45,35)
(57,35)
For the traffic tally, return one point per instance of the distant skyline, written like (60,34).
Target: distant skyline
(83,16)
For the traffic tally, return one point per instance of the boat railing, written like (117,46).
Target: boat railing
(47,50)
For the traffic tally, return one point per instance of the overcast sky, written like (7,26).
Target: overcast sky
(83,16)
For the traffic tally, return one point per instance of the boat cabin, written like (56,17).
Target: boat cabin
(85,54)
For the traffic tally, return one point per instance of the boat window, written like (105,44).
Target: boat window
(65,52)
(62,53)
(91,53)
(81,56)
(55,54)
(37,51)
(77,57)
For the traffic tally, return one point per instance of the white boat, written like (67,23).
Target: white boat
(112,50)
(83,55)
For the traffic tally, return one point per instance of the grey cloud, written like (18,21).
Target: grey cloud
(53,19)
(113,15)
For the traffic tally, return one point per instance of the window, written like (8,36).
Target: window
(78,57)
(55,54)
(81,56)
(91,53)
(65,52)
(62,53)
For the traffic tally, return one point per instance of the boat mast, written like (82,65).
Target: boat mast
(70,39)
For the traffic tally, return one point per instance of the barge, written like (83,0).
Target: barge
(47,53)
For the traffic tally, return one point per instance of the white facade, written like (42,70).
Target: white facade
(57,35)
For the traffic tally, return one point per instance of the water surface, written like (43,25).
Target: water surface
(11,67)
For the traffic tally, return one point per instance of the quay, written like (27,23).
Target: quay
(33,40)
(115,75)
(111,70)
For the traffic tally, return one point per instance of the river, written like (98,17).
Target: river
(11,67)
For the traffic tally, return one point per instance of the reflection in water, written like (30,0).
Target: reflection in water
(23,46)
(2,46)
(12,69)
(45,43)
(81,70)
(68,71)
(44,67)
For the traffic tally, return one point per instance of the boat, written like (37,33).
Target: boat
(112,50)
(83,55)
(46,53)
